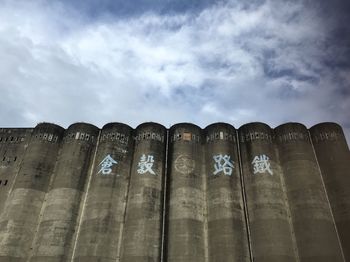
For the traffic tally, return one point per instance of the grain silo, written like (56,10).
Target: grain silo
(60,210)
(100,228)
(333,157)
(313,222)
(21,214)
(142,237)
(270,226)
(185,237)
(174,195)
(227,231)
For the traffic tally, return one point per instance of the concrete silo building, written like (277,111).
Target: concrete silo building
(183,194)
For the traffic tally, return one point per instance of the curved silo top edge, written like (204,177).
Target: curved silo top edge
(150,124)
(254,124)
(290,124)
(218,124)
(184,124)
(322,124)
(115,124)
(77,124)
(43,124)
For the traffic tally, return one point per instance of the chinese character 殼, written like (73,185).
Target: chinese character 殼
(145,165)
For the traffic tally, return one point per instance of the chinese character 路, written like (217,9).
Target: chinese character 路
(223,164)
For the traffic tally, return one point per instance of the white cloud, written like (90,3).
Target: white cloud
(227,63)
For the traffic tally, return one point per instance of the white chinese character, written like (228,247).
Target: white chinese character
(261,164)
(145,164)
(223,163)
(106,165)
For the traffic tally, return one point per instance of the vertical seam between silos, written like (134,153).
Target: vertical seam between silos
(326,194)
(164,185)
(75,239)
(206,210)
(289,213)
(245,207)
(126,197)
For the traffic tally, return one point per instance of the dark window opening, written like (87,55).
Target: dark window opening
(5,182)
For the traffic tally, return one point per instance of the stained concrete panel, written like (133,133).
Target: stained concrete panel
(227,231)
(120,219)
(142,237)
(186,201)
(13,144)
(101,225)
(20,217)
(53,241)
(271,232)
(333,157)
(313,223)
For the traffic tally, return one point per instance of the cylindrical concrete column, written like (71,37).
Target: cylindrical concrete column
(227,232)
(268,211)
(20,217)
(142,236)
(53,241)
(186,200)
(333,157)
(101,225)
(311,215)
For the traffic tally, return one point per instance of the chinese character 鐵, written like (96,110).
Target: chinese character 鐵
(261,164)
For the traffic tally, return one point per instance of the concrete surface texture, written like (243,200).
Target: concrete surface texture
(270,224)
(182,194)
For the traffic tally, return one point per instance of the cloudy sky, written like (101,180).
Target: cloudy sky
(170,61)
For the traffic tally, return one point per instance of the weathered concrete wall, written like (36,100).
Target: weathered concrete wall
(186,204)
(183,194)
(20,216)
(142,238)
(312,219)
(59,214)
(269,221)
(101,225)
(227,232)
(13,143)
(333,157)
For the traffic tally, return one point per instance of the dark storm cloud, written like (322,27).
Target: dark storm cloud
(122,9)
(172,61)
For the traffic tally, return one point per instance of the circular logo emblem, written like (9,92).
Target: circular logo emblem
(184,164)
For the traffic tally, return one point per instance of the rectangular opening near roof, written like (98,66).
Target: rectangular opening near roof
(187,136)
